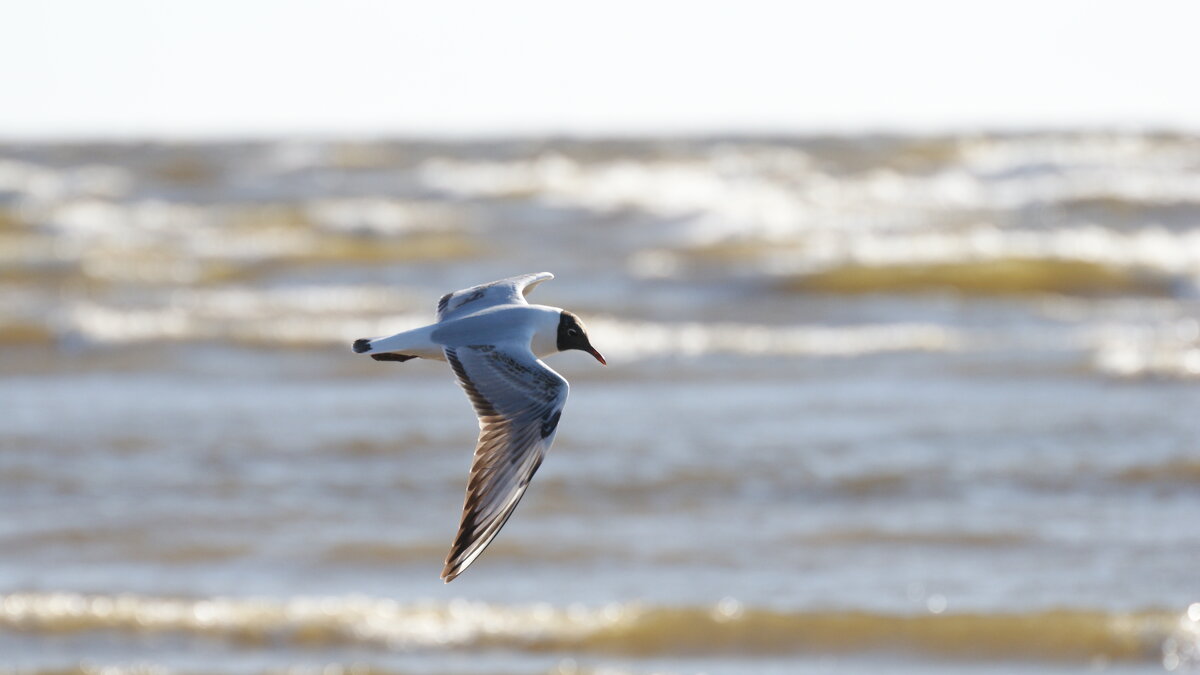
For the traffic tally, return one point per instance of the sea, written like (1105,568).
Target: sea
(873,404)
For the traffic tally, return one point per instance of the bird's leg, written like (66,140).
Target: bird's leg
(392,357)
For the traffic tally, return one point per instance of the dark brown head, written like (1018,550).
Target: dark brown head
(572,335)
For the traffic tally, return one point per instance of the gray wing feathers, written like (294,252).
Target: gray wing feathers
(502,292)
(518,400)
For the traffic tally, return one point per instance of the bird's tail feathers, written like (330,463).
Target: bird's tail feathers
(385,348)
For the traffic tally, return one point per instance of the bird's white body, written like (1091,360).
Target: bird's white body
(532,325)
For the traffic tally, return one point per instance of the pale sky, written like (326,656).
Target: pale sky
(364,67)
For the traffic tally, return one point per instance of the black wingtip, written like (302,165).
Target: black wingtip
(362,345)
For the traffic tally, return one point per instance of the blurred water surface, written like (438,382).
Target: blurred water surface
(876,404)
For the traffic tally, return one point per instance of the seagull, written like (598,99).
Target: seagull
(494,340)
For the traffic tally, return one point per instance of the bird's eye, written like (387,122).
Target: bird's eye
(572,332)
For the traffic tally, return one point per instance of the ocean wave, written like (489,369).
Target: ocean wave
(565,666)
(1174,472)
(38,184)
(620,629)
(1004,155)
(1070,210)
(636,339)
(731,190)
(294,317)
(1168,351)
(978,259)
(1011,276)
(153,241)
(17,331)
(928,538)
(318,316)
(139,220)
(1149,248)
(149,667)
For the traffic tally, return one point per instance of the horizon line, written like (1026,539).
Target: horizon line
(714,132)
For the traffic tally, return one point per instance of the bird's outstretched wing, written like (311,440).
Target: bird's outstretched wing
(518,400)
(502,292)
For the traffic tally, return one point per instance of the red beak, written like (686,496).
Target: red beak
(592,350)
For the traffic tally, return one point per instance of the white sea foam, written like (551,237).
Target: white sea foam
(1155,256)
(96,217)
(37,184)
(352,620)
(127,221)
(1150,248)
(805,218)
(641,339)
(295,316)
(779,193)
(312,317)
(380,216)
(334,316)
(1181,651)
(1170,350)
(992,154)
(617,628)
(158,241)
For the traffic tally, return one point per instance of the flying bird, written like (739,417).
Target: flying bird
(494,340)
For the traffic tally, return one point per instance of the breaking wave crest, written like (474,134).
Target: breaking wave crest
(638,339)
(981,259)
(621,629)
(997,215)
(332,315)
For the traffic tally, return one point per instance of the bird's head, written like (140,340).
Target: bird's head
(572,335)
